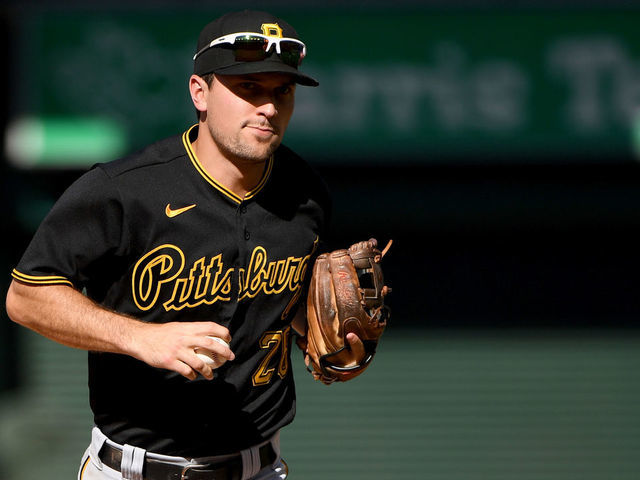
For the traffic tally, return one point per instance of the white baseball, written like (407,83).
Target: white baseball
(211,358)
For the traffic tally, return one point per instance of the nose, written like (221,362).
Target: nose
(268,108)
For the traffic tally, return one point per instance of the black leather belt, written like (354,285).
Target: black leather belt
(229,469)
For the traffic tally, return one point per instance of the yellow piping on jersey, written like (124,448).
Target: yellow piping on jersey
(84,467)
(41,279)
(214,182)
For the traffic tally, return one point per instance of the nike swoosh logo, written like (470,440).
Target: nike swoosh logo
(174,213)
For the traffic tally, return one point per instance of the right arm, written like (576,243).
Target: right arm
(66,316)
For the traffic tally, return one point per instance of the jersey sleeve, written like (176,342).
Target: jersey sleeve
(84,227)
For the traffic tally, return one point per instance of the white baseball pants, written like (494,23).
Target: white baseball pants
(91,468)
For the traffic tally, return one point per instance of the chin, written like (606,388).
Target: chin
(257,157)
(265,153)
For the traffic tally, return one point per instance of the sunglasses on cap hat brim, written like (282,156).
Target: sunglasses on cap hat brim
(254,47)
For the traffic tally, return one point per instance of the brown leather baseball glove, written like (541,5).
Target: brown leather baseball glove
(346,295)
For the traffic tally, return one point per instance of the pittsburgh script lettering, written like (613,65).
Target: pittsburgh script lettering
(207,281)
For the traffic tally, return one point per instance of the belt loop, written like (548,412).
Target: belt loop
(97,441)
(275,443)
(132,462)
(255,458)
(250,467)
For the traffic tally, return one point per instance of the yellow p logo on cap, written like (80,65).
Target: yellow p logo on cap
(272,30)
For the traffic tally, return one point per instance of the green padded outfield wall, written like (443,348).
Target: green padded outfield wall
(544,405)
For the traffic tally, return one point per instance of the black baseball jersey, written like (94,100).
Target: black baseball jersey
(154,236)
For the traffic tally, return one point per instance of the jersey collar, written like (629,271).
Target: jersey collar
(189,136)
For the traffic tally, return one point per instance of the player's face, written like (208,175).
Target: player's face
(247,115)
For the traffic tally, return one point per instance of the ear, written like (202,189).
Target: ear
(199,90)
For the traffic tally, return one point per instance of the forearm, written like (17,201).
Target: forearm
(66,316)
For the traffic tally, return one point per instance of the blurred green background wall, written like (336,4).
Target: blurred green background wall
(495,142)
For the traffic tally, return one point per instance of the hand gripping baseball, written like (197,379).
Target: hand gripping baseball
(175,346)
(346,296)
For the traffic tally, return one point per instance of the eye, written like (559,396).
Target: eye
(284,90)
(248,85)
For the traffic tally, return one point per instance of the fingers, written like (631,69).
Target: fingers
(357,347)
(195,365)
(172,346)
(187,364)
(191,372)
(353,355)
(214,344)
(208,329)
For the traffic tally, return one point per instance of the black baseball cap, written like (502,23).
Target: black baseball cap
(223,58)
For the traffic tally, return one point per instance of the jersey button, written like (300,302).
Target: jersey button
(243,209)
(247,235)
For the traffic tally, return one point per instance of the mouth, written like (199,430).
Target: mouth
(263,130)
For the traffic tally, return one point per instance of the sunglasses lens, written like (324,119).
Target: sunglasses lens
(292,53)
(250,49)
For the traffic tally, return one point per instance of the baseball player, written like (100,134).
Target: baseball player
(200,244)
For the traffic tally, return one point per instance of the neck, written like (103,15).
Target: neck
(237,175)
